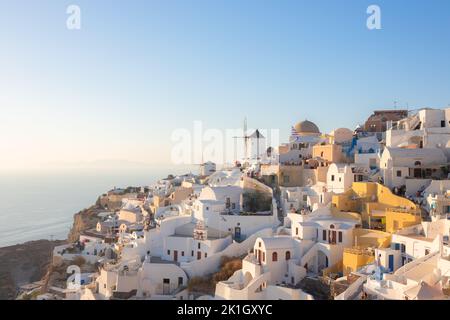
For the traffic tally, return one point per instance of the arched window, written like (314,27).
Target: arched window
(274,256)
(288,255)
(417,163)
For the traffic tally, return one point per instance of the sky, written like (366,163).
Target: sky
(115,90)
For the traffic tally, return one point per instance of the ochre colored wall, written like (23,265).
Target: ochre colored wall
(353,261)
(330,152)
(295,176)
(371,238)
(321,174)
(399,220)
(364,197)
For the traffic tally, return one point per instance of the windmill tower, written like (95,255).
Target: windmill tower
(258,136)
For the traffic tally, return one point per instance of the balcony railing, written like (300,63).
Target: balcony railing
(360,251)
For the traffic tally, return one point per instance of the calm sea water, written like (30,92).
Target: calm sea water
(41,205)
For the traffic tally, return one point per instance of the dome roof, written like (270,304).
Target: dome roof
(306,127)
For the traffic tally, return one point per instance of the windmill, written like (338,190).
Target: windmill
(257,135)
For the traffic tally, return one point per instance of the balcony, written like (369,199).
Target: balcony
(360,251)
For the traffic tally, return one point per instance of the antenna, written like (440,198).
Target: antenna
(245,137)
(395,104)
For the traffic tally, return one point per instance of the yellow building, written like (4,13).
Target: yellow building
(330,152)
(362,252)
(380,209)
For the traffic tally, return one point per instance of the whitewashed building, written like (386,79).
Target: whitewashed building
(316,242)
(399,164)
(428,128)
(340,177)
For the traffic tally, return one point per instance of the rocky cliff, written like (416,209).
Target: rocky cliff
(24,263)
(84,220)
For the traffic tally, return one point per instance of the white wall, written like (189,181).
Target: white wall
(211,264)
(151,277)
(190,245)
(339,182)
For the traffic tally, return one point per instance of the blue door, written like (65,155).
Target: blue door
(237,233)
(391,263)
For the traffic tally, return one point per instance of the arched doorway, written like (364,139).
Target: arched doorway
(322,261)
(247,278)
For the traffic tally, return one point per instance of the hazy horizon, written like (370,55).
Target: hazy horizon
(135,72)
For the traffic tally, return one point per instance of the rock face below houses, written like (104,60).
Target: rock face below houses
(84,220)
(24,263)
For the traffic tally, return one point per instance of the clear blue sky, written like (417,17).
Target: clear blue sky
(137,70)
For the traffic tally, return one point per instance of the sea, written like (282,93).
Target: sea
(40,204)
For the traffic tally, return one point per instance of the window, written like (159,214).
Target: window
(427,251)
(286,179)
(168,252)
(182,253)
(399,173)
(418,163)
(340,179)
(264,257)
(198,245)
(180,281)
(305,197)
(442,123)
(274,256)
(259,244)
(340,236)
(233,206)
(332,177)
(296,231)
(403,248)
(324,235)
(192,253)
(288,255)
(206,255)
(166,281)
